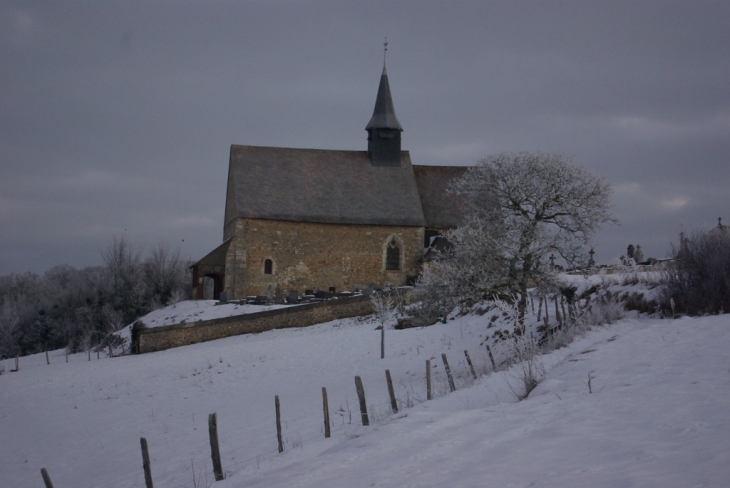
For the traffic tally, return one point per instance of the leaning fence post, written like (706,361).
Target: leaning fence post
(471,366)
(491,358)
(391,392)
(278,423)
(146,463)
(326,408)
(448,372)
(361,397)
(48,361)
(428,379)
(214,451)
(46,478)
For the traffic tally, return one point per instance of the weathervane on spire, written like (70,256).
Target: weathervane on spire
(385,50)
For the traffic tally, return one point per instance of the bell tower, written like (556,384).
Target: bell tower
(384,129)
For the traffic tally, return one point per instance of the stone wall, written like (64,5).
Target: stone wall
(160,338)
(315,256)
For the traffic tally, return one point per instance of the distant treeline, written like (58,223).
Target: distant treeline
(77,308)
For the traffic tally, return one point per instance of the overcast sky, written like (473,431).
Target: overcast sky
(116,118)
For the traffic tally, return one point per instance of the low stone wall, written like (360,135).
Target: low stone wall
(160,338)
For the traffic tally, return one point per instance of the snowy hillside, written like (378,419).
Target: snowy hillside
(657,413)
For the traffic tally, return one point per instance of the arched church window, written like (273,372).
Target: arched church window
(392,256)
(268,266)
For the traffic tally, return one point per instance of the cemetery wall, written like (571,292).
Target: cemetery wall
(160,338)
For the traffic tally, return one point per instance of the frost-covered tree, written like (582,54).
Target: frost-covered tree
(123,261)
(166,276)
(523,207)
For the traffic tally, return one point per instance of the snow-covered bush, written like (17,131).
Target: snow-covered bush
(604,309)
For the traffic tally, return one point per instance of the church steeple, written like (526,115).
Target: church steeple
(384,129)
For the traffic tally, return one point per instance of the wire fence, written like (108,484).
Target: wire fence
(304,424)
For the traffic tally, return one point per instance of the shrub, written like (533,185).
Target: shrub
(700,282)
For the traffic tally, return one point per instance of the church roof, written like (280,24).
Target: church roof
(216,257)
(325,186)
(384,113)
(441,209)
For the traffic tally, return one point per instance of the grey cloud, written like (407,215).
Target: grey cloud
(119,115)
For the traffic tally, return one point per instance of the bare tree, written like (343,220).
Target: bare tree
(9,332)
(123,261)
(166,274)
(524,207)
(384,307)
(700,281)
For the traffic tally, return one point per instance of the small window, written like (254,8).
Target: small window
(392,257)
(268,266)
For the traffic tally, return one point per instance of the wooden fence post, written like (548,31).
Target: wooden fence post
(48,361)
(88,351)
(111,352)
(326,408)
(97,352)
(491,358)
(471,366)
(391,392)
(146,463)
(66,353)
(214,451)
(428,379)
(448,372)
(17,362)
(361,397)
(557,312)
(46,478)
(278,423)
(382,343)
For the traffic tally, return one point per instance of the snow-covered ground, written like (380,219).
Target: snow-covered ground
(658,414)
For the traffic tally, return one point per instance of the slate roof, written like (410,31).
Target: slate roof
(384,113)
(216,257)
(324,186)
(441,210)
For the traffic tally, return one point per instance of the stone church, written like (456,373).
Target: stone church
(309,219)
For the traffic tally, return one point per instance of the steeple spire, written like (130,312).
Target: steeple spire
(384,129)
(384,113)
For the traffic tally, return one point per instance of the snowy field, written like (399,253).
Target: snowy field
(658,413)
